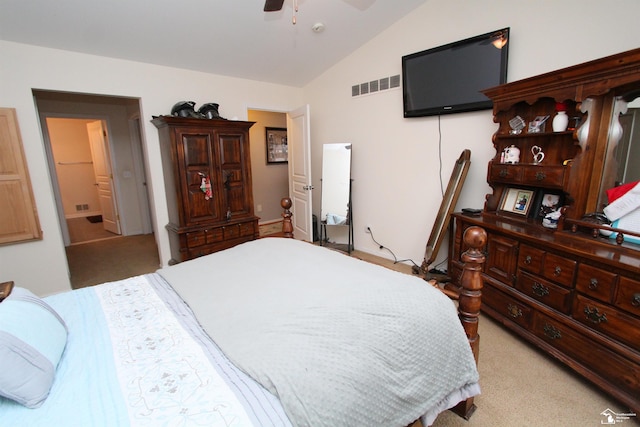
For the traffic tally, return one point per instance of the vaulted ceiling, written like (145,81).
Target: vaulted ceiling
(226,37)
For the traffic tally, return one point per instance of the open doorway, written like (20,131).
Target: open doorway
(100,184)
(274,180)
(270,180)
(82,162)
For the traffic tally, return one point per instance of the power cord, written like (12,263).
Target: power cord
(415,269)
(440,155)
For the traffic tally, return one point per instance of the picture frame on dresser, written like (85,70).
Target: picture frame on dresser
(517,201)
(276,144)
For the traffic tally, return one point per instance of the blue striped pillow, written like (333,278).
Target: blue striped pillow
(32,339)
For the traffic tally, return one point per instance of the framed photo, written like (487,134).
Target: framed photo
(517,201)
(546,202)
(277,148)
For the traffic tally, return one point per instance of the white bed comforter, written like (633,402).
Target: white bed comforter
(341,342)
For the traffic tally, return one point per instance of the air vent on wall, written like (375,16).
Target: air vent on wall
(374,86)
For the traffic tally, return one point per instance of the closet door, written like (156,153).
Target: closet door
(18,216)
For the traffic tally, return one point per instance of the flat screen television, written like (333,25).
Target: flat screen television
(448,79)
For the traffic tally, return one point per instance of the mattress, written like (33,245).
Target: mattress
(339,341)
(135,355)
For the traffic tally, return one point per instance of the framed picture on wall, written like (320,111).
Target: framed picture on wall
(517,201)
(277,148)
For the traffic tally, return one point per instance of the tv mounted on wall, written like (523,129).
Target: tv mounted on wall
(448,79)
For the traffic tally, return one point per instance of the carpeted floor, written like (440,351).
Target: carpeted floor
(112,259)
(81,230)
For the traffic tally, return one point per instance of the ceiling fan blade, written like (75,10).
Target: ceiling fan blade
(273,5)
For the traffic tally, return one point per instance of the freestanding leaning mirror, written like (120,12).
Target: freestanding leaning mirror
(336,195)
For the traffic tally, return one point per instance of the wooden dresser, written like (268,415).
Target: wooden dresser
(570,291)
(200,151)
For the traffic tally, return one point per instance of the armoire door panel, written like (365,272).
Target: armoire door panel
(197,150)
(231,150)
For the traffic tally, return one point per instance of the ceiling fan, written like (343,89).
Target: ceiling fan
(273,5)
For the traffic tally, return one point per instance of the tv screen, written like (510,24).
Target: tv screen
(448,79)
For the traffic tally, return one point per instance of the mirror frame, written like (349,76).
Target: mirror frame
(447,206)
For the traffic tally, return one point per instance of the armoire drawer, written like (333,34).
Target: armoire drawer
(246,229)
(231,231)
(544,291)
(196,238)
(507,306)
(608,320)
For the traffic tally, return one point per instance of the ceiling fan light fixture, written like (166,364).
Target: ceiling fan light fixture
(500,40)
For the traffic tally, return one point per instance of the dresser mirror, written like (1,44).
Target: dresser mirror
(622,158)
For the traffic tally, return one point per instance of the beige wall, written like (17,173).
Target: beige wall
(396,177)
(270,181)
(396,186)
(26,67)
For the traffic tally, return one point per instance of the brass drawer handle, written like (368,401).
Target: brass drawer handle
(593,284)
(557,271)
(527,259)
(551,332)
(635,301)
(593,315)
(503,173)
(540,176)
(514,311)
(539,289)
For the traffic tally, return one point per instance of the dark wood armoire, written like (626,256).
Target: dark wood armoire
(207,177)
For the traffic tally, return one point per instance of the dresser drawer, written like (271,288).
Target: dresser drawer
(544,291)
(595,282)
(505,173)
(543,176)
(608,320)
(507,306)
(530,259)
(558,269)
(623,373)
(628,295)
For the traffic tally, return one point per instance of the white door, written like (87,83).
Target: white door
(299,142)
(104,179)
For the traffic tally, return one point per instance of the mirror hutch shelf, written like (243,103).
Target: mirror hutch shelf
(570,291)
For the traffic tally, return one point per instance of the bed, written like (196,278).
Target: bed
(273,332)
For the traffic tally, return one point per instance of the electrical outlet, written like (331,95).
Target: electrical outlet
(367,229)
